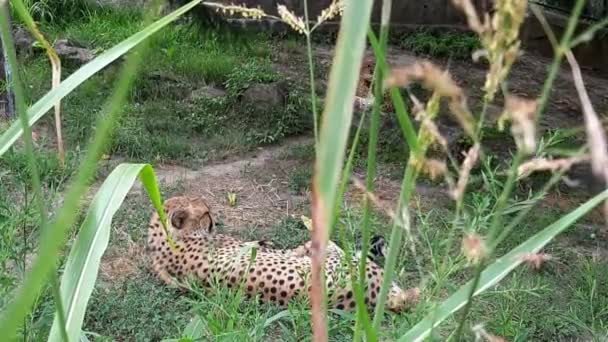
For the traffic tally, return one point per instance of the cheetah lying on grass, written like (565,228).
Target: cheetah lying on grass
(274,275)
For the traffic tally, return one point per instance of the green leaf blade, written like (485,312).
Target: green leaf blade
(83,262)
(42,106)
(499,269)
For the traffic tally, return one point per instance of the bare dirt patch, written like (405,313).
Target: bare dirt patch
(120,264)
(259,183)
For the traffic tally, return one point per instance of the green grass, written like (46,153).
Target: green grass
(160,311)
(570,292)
(300,180)
(163,116)
(440,43)
(566,300)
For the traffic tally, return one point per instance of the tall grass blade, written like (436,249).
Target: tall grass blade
(54,235)
(42,106)
(499,269)
(336,122)
(82,265)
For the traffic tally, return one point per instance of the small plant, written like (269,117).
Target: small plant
(232,199)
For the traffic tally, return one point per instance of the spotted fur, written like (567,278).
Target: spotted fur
(274,275)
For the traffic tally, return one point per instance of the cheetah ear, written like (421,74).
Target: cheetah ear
(178,218)
(207,222)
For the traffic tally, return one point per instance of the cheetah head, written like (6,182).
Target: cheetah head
(188,215)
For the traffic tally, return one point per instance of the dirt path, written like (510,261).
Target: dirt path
(263,183)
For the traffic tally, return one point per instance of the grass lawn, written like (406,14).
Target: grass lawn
(170,120)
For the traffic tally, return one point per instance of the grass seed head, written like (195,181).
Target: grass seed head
(474,248)
(552,165)
(499,37)
(242,10)
(441,83)
(521,112)
(536,260)
(336,8)
(289,18)
(469,162)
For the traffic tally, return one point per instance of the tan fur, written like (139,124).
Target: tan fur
(274,275)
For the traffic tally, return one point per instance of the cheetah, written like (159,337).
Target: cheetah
(274,275)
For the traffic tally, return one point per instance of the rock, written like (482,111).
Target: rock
(207,92)
(265,97)
(68,51)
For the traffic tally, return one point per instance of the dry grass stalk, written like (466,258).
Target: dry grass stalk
(469,162)
(498,36)
(320,236)
(55,81)
(521,112)
(437,137)
(553,165)
(438,81)
(429,75)
(373,199)
(467,7)
(596,137)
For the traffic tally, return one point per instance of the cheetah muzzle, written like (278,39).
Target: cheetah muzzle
(275,275)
